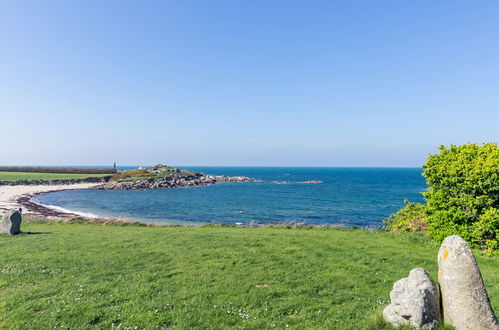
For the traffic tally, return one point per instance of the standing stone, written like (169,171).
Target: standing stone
(11,223)
(465,302)
(414,302)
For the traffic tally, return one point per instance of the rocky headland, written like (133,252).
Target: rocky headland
(162,176)
(16,194)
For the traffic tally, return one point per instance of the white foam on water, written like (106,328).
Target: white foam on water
(95,216)
(63,210)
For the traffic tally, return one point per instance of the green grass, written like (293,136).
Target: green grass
(134,175)
(145,174)
(19,176)
(81,276)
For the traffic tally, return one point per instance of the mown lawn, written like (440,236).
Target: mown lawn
(19,176)
(78,276)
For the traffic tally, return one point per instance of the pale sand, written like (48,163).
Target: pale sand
(9,195)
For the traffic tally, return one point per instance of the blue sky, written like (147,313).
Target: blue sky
(267,83)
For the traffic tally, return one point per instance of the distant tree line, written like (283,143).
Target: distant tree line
(38,169)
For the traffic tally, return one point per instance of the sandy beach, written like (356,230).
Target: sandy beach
(14,197)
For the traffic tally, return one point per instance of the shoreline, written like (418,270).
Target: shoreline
(16,196)
(13,197)
(39,209)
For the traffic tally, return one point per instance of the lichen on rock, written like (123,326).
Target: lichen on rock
(414,302)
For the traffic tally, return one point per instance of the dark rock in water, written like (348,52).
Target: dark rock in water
(11,223)
(223,178)
(307,182)
(313,181)
(414,302)
(465,302)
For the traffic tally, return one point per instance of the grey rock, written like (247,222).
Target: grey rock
(173,182)
(465,302)
(11,223)
(414,302)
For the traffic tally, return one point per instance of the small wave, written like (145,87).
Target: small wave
(63,210)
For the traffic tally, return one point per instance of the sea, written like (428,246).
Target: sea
(360,197)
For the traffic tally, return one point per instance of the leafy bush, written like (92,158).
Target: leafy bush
(410,218)
(463,194)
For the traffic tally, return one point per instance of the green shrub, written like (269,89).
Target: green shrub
(410,218)
(463,194)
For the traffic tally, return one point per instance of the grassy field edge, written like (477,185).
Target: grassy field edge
(91,275)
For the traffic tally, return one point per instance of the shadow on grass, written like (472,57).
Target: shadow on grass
(35,233)
(377,322)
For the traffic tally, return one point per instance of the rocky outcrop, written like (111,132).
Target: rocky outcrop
(463,299)
(465,302)
(306,182)
(414,302)
(175,182)
(223,178)
(11,223)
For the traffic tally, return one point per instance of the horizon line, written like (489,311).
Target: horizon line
(261,166)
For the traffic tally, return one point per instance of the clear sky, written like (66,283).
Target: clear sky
(297,83)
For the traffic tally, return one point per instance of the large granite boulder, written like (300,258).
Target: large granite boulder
(414,302)
(465,302)
(11,223)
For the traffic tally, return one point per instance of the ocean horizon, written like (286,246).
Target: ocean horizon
(349,196)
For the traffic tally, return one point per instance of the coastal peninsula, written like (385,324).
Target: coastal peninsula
(19,185)
(162,176)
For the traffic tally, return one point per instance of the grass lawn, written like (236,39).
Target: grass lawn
(18,176)
(79,276)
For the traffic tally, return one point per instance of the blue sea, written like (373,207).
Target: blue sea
(349,196)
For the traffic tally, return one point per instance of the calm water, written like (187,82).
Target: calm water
(352,196)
